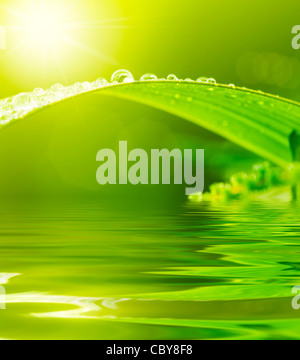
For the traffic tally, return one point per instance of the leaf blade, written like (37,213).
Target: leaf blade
(256,121)
(259,122)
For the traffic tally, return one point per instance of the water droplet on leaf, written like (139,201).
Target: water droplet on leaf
(122,76)
(38,92)
(211,81)
(57,87)
(100,82)
(24,102)
(202,80)
(172,77)
(148,77)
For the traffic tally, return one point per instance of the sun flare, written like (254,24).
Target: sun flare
(43,27)
(45,36)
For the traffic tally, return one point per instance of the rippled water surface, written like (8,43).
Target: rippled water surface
(199,271)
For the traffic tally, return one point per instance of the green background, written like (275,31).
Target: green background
(142,262)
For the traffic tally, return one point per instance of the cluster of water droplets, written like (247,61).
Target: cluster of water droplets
(20,105)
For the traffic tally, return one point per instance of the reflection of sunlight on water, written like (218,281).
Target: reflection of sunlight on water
(5,277)
(211,271)
(84,304)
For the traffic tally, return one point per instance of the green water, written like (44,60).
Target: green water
(197,271)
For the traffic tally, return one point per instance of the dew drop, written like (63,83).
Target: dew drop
(38,92)
(202,80)
(4,119)
(56,95)
(122,76)
(172,77)
(211,81)
(100,82)
(149,77)
(57,87)
(78,87)
(24,102)
(86,85)
(6,104)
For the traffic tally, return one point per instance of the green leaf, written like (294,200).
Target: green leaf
(259,122)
